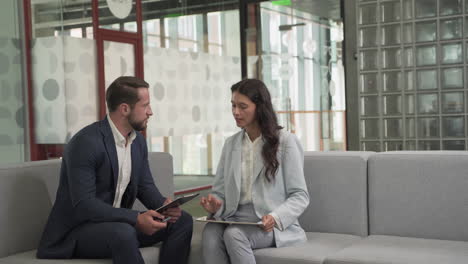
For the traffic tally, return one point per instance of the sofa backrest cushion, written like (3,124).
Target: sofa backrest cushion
(26,192)
(163,174)
(337,184)
(419,194)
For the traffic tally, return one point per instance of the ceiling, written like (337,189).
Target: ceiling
(321,8)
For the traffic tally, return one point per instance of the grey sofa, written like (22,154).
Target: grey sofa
(394,207)
(27,192)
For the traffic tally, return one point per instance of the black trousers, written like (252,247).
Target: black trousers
(121,241)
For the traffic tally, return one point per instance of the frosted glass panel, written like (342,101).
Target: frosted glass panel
(391,35)
(428,127)
(410,104)
(368,37)
(407,33)
(369,83)
(368,60)
(120,58)
(451,28)
(454,145)
(408,57)
(450,7)
(428,103)
(393,145)
(452,78)
(190,92)
(425,8)
(392,104)
(369,106)
(368,14)
(392,81)
(371,146)
(409,80)
(452,102)
(426,31)
(393,128)
(390,11)
(427,79)
(410,127)
(426,55)
(410,145)
(452,53)
(391,58)
(429,145)
(453,126)
(407,9)
(66,92)
(370,128)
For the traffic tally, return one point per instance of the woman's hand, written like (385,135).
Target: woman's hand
(268,223)
(210,204)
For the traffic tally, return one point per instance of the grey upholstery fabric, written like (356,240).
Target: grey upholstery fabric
(196,256)
(419,194)
(315,250)
(337,184)
(402,250)
(161,168)
(27,192)
(150,255)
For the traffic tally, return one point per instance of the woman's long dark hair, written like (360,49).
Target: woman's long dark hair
(258,93)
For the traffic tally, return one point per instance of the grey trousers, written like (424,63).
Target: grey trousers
(224,244)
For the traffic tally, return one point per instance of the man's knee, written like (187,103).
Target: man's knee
(123,233)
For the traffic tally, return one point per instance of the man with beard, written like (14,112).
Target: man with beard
(104,169)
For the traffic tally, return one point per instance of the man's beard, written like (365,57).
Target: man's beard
(137,126)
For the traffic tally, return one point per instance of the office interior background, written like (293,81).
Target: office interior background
(374,75)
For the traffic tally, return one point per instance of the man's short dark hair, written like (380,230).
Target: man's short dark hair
(124,90)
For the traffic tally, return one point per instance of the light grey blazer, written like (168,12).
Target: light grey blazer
(286,195)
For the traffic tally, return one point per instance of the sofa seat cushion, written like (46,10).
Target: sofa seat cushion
(150,255)
(196,255)
(315,250)
(377,249)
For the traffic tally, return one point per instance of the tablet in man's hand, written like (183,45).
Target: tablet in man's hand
(177,202)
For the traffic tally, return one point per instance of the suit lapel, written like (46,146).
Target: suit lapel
(135,158)
(109,143)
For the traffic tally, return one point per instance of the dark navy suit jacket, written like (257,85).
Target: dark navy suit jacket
(86,191)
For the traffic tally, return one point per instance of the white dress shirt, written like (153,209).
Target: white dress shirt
(251,154)
(124,158)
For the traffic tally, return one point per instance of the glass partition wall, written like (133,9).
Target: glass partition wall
(296,49)
(191,54)
(13,110)
(411,68)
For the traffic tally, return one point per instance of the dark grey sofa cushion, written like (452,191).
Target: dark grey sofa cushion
(419,194)
(402,250)
(337,184)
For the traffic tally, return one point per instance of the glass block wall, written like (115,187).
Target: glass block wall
(412,59)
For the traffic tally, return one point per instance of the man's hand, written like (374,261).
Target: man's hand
(268,223)
(174,212)
(147,224)
(211,204)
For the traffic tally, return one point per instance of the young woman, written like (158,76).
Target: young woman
(260,177)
